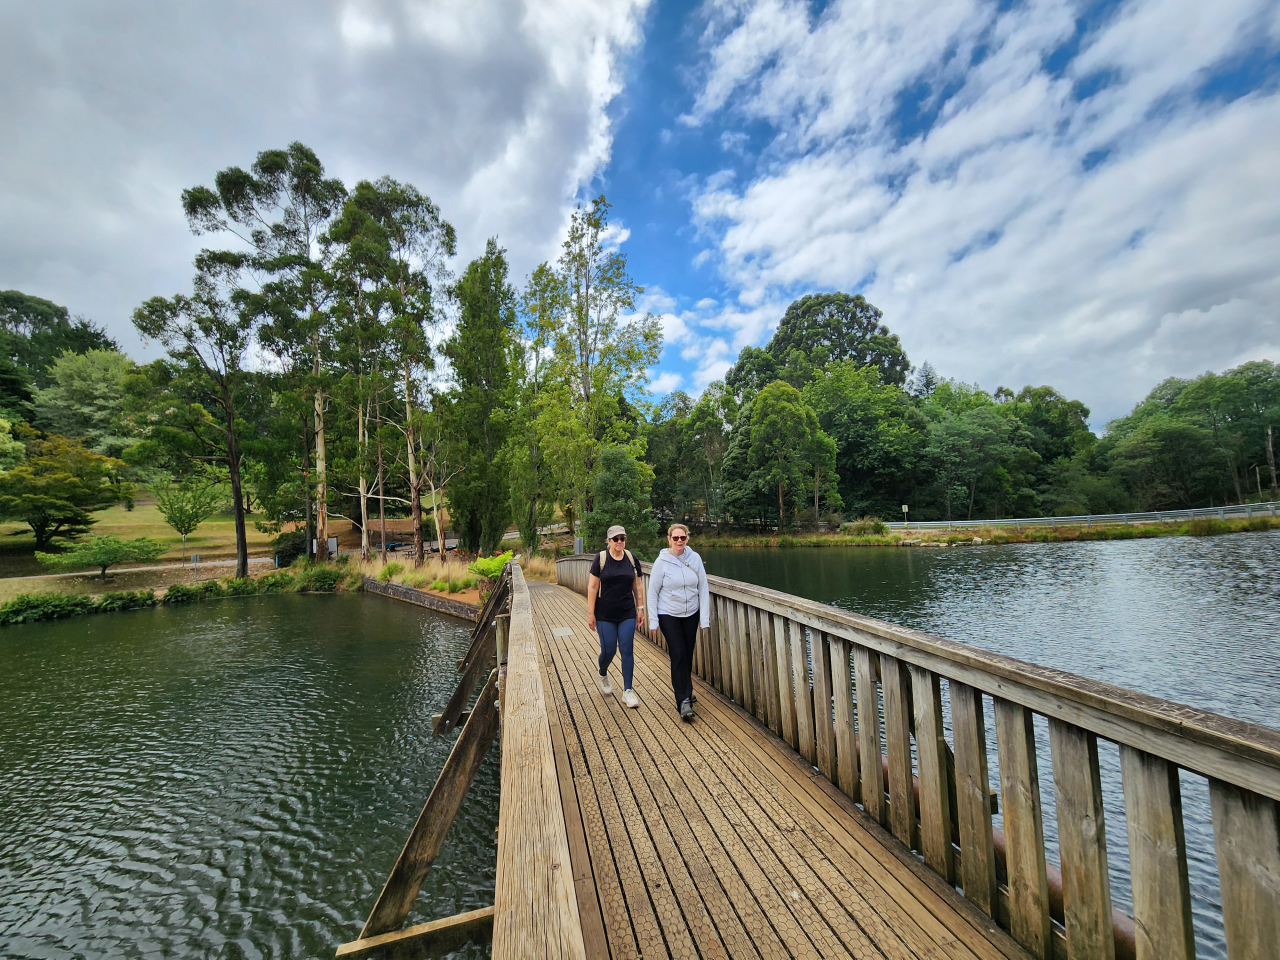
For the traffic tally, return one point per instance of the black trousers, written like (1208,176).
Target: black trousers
(681,634)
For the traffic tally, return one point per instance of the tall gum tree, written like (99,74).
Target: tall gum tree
(281,208)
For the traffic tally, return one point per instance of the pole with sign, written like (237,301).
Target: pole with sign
(195,576)
(905,523)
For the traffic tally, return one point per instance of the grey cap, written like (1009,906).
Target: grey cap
(614,531)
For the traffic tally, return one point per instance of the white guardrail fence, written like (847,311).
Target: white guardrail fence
(1238,512)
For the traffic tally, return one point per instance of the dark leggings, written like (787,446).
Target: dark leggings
(681,633)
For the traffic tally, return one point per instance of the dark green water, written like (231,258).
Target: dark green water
(1195,620)
(231,779)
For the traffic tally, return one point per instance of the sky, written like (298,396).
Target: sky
(1077,194)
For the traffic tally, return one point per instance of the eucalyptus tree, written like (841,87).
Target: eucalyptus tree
(481,352)
(281,207)
(837,326)
(196,397)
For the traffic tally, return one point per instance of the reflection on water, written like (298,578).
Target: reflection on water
(1195,620)
(231,779)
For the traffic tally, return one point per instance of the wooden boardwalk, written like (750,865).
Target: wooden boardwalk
(715,839)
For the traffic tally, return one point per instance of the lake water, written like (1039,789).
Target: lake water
(1196,620)
(232,779)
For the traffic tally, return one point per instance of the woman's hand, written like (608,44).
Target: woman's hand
(591,621)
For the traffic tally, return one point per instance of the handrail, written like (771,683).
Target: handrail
(536,908)
(782,658)
(1241,510)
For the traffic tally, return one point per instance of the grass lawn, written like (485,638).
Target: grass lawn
(215,540)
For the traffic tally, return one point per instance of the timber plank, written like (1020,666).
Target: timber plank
(935,793)
(1246,828)
(824,733)
(842,696)
(897,738)
(1023,828)
(753,826)
(868,708)
(804,691)
(973,799)
(786,685)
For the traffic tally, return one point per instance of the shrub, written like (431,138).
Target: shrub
(866,526)
(490,567)
(1207,527)
(34,607)
(126,600)
(390,570)
(243,587)
(319,580)
(181,593)
(441,584)
(103,552)
(275,581)
(290,546)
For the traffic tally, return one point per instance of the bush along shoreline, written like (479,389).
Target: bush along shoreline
(300,578)
(1200,527)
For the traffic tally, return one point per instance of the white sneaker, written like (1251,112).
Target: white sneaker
(630,699)
(605,686)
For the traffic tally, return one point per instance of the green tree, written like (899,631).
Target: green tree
(187,504)
(964,449)
(12,450)
(480,352)
(196,401)
(621,495)
(281,207)
(57,488)
(34,332)
(103,552)
(1168,463)
(837,326)
(784,442)
(85,398)
(15,391)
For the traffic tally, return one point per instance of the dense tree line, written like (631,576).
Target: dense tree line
(330,361)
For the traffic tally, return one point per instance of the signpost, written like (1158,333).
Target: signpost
(195,577)
(905,523)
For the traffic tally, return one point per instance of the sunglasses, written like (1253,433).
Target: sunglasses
(678,539)
(621,539)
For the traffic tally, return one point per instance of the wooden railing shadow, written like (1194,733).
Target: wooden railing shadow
(861,701)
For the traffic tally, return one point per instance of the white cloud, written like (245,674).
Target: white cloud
(495,108)
(991,248)
(665,382)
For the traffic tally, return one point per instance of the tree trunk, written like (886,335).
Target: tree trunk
(322,485)
(415,486)
(309,525)
(782,518)
(237,500)
(815,497)
(1271,463)
(363,441)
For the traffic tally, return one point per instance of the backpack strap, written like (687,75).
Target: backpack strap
(602,553)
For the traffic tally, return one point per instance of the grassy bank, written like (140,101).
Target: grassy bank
(1202,527)
(300,578)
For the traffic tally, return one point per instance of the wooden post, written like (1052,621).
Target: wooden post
(742,641)
(935,796)
(897,733)
(786,685)
(474,926)
(824,735)
(1082,840)
(868,708)
(1157,856)
(769,649)
(973,799)
(427,836)
(1023,828)
(804,692)
(842,697)
(1246,830)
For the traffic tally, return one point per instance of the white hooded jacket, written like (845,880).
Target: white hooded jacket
(678,588)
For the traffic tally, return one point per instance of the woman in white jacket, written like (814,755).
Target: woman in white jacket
(679,603)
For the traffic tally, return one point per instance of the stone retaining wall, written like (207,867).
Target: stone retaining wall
(432,601)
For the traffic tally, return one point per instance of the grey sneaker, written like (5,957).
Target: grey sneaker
(630,699)
(602,681)
(686,711)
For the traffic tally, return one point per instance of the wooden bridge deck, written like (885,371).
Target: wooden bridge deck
(715,839)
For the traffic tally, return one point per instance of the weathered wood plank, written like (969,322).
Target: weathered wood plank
(770,667)
(935,794)
(1246,829)
(438,936)
(824,733)
(477,666)
(1082,840)
(427,836)
(804,691)
(845,737)
(1024,828)
(786,679)
(1157,857)
(534,896)
(742,643)
(870,758)
(897,734)
(973,799)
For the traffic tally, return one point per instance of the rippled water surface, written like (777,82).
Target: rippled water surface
(230,779)
(1196,620)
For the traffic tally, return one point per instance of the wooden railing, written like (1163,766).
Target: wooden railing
(863,702)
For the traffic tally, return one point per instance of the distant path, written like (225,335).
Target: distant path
(170,566)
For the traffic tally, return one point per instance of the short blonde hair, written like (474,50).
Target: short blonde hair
(680,526)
